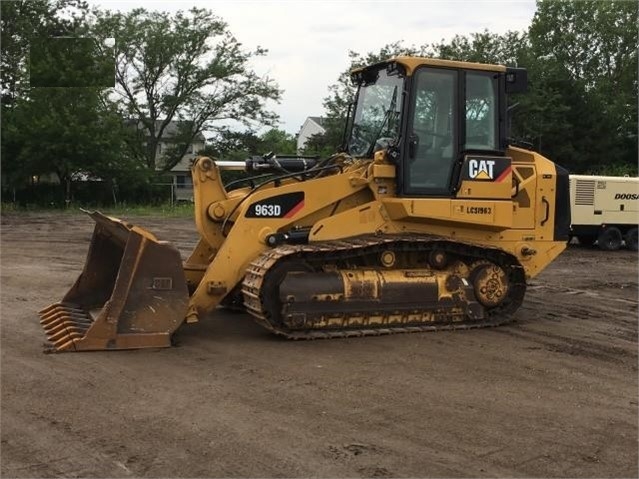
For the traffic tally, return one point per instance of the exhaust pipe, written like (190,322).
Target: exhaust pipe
(131,293)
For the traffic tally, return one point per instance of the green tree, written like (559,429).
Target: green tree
(588,51)
(69,133)
(483,47)
(241,145)
(327,143)
(184,67)
(278,142)
(64,131)
(232,145)
(21,22)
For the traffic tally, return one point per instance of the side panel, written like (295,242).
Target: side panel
(364,219)
(493,215)
(617,196)
(582,201)
(524,195)
(601,200)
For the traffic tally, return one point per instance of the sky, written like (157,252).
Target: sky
(308,41)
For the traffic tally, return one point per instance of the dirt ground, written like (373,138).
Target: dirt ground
(552,394)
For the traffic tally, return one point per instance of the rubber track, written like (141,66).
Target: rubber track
(257,275)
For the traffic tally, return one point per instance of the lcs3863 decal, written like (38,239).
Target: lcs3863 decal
(281,206)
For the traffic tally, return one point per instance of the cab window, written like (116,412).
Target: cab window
(481,111)
(432,132)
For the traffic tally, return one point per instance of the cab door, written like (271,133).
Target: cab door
(433,132)
(452,115)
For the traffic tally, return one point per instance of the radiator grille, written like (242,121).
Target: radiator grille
(585,192)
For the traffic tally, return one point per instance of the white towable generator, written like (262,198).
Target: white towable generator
(605,210)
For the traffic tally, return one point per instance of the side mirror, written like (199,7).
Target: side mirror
(516,80)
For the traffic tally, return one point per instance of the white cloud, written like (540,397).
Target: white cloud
(308,41)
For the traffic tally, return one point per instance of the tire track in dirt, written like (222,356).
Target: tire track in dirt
(552,394)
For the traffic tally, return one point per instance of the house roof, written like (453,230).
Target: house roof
(171,129)
(317,119)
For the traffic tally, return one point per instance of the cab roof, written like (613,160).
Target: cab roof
(411,63)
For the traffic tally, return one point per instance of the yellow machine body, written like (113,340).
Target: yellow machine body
(340,249)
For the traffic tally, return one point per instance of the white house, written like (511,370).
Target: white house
(180,174)
(312,126)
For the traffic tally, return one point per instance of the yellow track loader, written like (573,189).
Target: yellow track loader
(427,219)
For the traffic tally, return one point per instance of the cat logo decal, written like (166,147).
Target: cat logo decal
(487,169)
(481,169)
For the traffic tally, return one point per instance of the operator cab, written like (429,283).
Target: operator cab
(430,114)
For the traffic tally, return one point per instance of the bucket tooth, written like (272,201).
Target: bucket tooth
(54,314)
(66,325)
(62,343)
(61,315)
(52,319)
(55,328)
(62,346)
(59,306)
(51,314)
(48,309)
(66,333)
(55,323)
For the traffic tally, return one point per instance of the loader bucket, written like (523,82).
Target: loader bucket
(131,293)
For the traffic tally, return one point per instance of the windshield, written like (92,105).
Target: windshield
(377,113)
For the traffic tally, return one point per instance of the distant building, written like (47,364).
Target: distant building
(312,126)
(180,174)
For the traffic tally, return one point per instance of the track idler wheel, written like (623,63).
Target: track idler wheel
(490,283)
